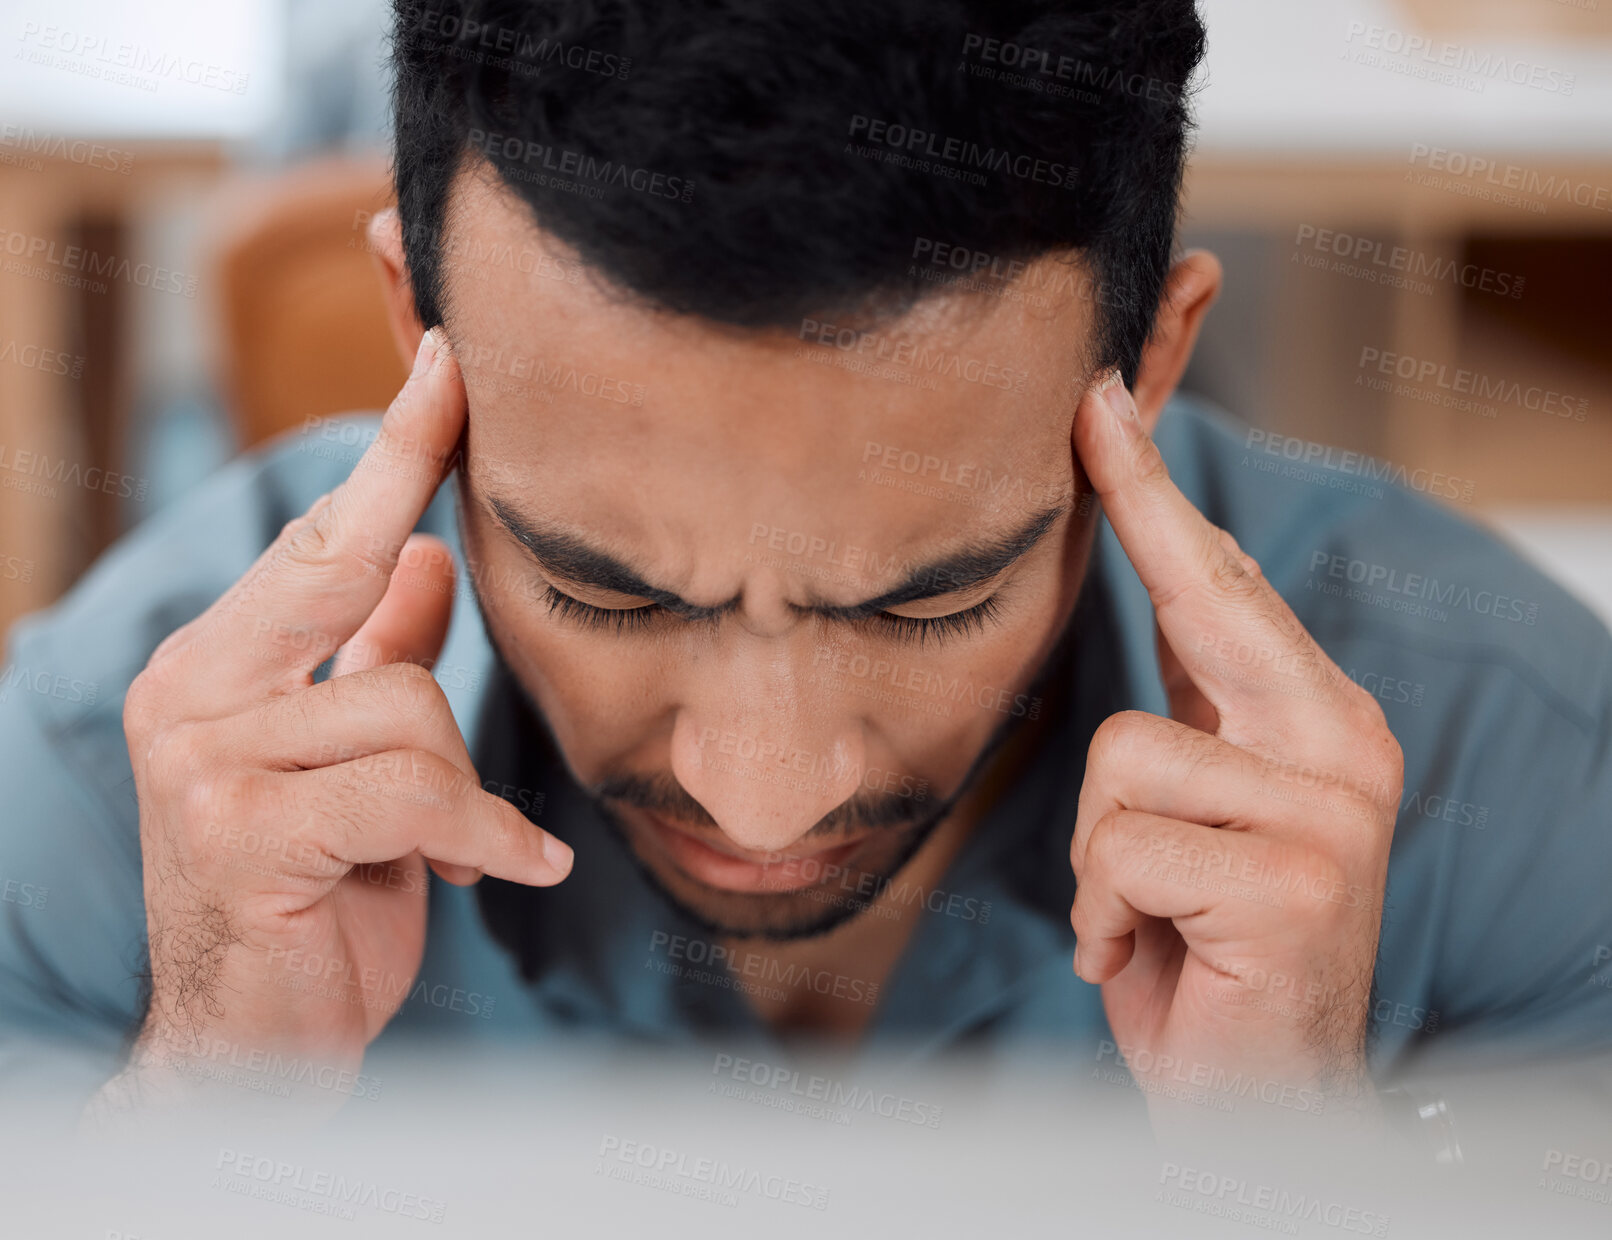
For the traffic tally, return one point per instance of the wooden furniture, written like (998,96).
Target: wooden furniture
(1304,362)
(63,433)
(1294,134)
(301,313)
(1310,122)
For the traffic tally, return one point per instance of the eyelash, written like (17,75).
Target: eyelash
(906,628)
(623,619)
(920,629)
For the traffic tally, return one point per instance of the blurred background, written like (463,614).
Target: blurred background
(1413,200)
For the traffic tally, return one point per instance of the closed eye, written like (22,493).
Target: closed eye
(588,616)
(920,629)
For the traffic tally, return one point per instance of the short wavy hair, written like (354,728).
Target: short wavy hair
(760,162)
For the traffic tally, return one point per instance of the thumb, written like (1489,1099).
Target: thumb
(410,622)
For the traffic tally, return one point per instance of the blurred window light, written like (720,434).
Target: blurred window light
(143,69)
(1367,76)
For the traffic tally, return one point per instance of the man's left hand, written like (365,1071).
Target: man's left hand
(1230,860)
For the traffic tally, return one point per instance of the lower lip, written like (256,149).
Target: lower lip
(717,869)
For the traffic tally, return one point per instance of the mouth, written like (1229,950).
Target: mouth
(708,858)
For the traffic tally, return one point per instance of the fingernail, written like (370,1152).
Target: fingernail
(427,352)
(558,854)
(1118,398)
(1077,961)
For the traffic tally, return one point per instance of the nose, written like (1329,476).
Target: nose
(763,749)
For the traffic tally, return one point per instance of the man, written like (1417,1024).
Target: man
(835,615)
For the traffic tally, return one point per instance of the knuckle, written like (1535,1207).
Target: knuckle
(306,706)
(1325,882)
(1120,739)
(144,707)
(335,826)
(174,640)
(1234,551)
(1110,842)
(1388,764)
(216,798)
(503,836)
(1393,753)
(1373,745)
(1231,578)
(1147,462)
(1229,567)
(1365,713)
(411,688)
(438,782)
(306,537)
(172,755)
(318,538)
(1080,913)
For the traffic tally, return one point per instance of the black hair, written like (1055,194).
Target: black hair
(762,162)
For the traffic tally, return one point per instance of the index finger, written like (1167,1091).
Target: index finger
(324,574)
(1205,591)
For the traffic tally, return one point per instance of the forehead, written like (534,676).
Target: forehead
(661,433)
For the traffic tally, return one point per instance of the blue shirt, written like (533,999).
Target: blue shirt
(1498,921)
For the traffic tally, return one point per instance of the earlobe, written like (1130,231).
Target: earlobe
(386,247)
(1193,284)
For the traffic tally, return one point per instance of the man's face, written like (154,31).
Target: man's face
(774,596)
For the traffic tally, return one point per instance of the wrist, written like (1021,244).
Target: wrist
(167,1071)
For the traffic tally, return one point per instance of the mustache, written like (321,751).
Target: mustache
(662,794)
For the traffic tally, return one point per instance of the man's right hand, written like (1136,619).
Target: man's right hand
(286,826)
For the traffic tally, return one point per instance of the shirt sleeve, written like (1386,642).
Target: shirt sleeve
(72,923)
(1525,958)
(73,946)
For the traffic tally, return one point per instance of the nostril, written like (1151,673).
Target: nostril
(764,789)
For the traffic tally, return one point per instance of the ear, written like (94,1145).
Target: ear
(386,247)
(1189,291)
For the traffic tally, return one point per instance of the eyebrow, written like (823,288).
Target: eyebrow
(572,559)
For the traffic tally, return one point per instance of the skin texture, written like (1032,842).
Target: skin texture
(727,450)
(1244,838)
(736,439)
(284,825)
